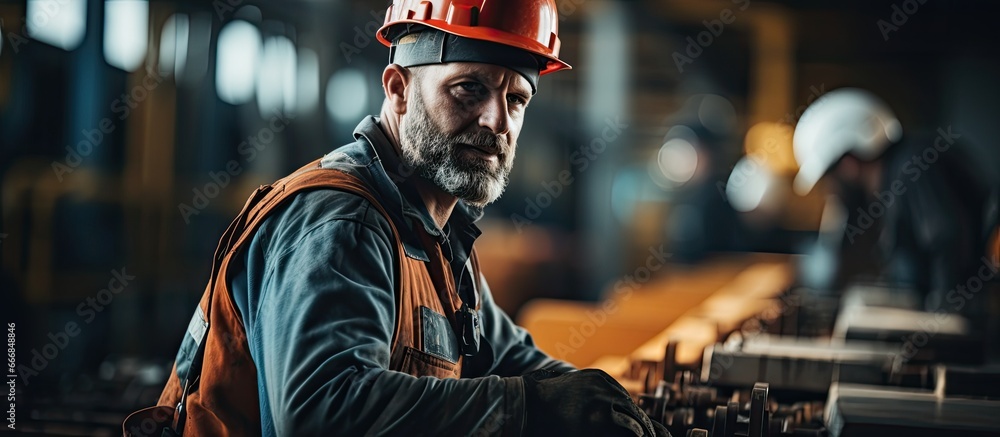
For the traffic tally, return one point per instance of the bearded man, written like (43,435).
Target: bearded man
(348,298)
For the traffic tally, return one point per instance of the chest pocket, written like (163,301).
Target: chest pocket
(438,336)
(439,357)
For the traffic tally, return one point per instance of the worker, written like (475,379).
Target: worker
(914,203)
(361,310)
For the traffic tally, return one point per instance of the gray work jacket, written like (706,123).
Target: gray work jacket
(316,299)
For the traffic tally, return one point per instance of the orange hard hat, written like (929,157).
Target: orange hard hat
(529,25)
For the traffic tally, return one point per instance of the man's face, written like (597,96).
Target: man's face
(461,125)
(857,179)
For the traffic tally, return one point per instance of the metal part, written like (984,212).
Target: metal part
(719,422)
(792,364)
(879,314)
(861,411)
(759,415)
(967,381)
(732,419)
(829,386)
(670,362)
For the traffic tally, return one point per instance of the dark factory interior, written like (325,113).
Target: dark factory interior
(758,217)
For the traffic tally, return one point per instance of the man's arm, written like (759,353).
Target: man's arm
(320,333)
(515,353)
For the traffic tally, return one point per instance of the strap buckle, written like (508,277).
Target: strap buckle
(468,319)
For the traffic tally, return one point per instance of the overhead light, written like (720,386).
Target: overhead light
(678,160)
(276,77)
(308,80)
(197,55)
(236,62)
(717,114)
(174,45)
(60,23)
(125,32)
(347,95)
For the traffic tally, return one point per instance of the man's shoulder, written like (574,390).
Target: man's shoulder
(318,208)
(319,205)
(325,204)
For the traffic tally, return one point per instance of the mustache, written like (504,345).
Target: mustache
(486,140)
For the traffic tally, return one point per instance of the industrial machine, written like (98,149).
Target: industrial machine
(863,364)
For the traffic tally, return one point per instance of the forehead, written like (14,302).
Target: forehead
(489,74)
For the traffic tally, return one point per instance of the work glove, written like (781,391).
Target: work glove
(583,403)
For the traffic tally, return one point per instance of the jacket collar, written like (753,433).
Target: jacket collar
(374,158)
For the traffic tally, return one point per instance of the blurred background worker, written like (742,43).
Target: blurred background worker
(912,203)
(653,196)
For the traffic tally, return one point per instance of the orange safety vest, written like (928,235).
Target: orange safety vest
(219,396)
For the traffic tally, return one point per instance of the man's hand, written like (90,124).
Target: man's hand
(585,402)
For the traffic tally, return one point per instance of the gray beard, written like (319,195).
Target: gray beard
(434,156)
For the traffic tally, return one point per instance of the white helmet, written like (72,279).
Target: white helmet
(846,120)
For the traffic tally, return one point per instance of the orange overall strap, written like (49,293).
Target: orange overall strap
(259,206)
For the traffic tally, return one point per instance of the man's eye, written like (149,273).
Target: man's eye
(516,100)
(471,87)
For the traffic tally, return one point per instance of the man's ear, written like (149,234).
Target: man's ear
(395,83)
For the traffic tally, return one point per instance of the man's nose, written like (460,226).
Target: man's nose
(494,115)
